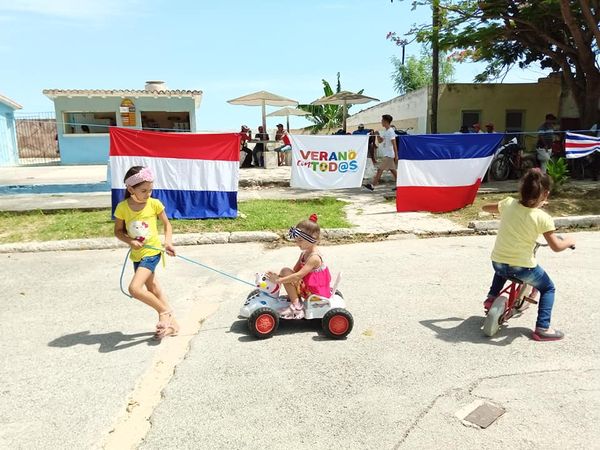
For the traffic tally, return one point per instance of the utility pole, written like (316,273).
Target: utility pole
(435,76)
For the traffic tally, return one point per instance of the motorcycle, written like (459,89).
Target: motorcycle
(511,161)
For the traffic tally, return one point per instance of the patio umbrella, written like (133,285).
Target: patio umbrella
(344,98)
(287,112)
(263,98)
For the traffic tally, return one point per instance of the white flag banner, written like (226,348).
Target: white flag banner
(328,162)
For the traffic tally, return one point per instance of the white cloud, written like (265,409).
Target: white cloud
(74,9)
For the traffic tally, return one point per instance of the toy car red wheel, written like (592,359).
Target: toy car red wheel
(263,323)
(337,323)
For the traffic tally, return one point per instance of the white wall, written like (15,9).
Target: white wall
(408,110)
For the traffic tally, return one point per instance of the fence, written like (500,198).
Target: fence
(37,139)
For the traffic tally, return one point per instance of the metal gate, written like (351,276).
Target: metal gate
(37,139)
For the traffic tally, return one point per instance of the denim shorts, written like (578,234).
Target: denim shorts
(149,262)
(284,148)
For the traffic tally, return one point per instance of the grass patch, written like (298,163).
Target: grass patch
(254,215)
(572,201)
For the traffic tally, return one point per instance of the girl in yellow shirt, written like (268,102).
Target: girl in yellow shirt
(135,224)
(521,222)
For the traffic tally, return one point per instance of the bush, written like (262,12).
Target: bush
(558,172)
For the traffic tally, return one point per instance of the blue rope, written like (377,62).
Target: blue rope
(122,273)
(203,265)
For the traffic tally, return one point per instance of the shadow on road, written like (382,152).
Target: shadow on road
(470,330)
(285,327)
(109,342)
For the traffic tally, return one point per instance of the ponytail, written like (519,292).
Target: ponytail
(534,185)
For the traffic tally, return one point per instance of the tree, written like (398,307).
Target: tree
(416,72)
(326,116)
(562,35)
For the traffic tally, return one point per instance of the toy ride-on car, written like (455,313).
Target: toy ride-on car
(262,307)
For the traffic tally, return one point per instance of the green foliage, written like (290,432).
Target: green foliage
(560,35)
(416,72)
(326,117)
(559,173)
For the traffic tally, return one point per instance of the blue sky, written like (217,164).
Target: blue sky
(224,48)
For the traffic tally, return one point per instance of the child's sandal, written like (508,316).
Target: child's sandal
(162,323)
(292,312)
(166,328)
(299,313)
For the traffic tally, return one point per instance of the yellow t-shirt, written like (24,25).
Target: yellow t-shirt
(141,226)
(519,229)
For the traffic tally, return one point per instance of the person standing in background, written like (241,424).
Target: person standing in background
(546,131)
(389,148)
(259,148)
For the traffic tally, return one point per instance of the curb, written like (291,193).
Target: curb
(560,222)
(331,235)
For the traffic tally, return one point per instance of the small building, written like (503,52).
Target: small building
(9,152)
(514,107)
(84,116)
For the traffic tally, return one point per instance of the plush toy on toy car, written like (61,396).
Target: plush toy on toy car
(263,304)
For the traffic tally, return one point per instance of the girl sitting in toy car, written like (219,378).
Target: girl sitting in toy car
(310,275)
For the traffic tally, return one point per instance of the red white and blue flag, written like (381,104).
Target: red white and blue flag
(196,175)
(442,172)
(580,145)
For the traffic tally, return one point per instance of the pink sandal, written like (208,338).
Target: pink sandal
(167,327)
(293,312)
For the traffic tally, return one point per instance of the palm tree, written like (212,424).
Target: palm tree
(326,117)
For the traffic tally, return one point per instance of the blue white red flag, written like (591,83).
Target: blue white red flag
(580,145)
(196,175)
(442,172)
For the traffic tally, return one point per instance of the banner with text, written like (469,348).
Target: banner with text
(328,162)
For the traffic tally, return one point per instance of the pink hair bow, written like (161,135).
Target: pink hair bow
(143,175)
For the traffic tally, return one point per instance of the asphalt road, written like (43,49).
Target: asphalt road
(74,350)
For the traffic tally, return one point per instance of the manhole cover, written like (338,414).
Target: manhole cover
(480,413)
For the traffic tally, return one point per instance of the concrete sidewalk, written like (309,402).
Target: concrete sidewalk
(28,175)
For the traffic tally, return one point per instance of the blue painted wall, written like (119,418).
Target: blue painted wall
(9,152)
(93,148)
